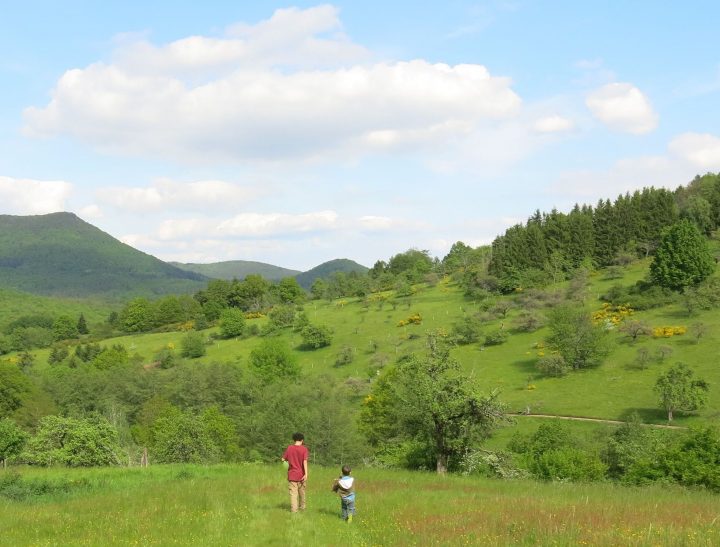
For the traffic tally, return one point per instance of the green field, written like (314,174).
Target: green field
(613,390)
(247,505)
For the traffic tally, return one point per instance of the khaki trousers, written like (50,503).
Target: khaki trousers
(297,494)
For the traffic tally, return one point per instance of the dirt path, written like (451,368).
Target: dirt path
(596,420)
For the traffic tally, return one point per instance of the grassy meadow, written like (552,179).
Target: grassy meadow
(248,505)
(613,390)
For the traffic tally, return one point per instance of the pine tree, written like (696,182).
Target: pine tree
(683,257)
(82,327)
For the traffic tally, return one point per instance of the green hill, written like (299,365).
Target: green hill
(326,269)
(60,254)
(238,269)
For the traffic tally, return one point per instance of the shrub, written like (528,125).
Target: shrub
(553,365)
(496,338)
(490,464)
(75,443)
(193,345)
(345,356)
(467,330)
(273,359)
(315,337)
(232,323)
(568,464)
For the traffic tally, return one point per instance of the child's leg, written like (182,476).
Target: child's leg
(293,489)
(343,508)
(301,495)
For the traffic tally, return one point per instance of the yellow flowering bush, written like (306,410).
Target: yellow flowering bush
(668,332)
(611,315)
(414,319)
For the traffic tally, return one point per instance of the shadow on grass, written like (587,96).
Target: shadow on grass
(646,415)
(526,366)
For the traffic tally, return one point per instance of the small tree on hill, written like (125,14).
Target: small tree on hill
(427,400)
(678,390)
(82,327)
(273,359)
(193,345)
(232,323)
(12,439)
(315,337)
(682,258)
(574,336)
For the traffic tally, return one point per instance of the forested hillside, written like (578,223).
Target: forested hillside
(551,245)
(60,254)
(237,269)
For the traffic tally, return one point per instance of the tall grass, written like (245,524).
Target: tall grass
(248,505)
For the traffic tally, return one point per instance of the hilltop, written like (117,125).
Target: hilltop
(238,269)
(59,254)
(326,269)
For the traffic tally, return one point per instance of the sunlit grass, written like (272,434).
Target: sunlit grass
(247,505)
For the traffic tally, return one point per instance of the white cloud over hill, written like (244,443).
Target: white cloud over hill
(292,86)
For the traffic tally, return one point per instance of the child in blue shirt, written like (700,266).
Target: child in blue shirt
(345,487)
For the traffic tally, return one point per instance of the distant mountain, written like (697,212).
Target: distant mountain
(326,269)
(60,254)
(238,269)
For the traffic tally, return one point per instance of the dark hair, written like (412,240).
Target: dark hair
(346,470)
(298,437)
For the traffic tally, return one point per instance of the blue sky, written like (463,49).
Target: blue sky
(298,133)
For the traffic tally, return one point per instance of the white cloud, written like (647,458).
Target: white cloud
(700,149)
(254,224)
(622,107)
(626,175)
(33,197)
(92,212)
(251,95)
(553,124)
(167,194)
(291,37)
(247,225)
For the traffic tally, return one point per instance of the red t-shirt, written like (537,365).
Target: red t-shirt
(296,454)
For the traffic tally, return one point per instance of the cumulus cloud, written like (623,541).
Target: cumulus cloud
(622,107)
(293,37)
(700,149)
(91,212)
(248,225)
(33,197)
(167,194)
(279,89)
(553,124)
(626,175)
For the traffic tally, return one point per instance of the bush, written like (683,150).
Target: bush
(193,345)
(273,359)
(568,464)
(490,464)
(496,338)
(75,443)
(551,454)
(345,356)
(528,322)
(467,330)
(232,323)
(314,337)
(553,365)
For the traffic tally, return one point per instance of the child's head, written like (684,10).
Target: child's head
(346,470)
(298,437)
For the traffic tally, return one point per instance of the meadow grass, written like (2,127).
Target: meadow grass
(248,505)
(614,390)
